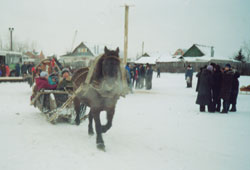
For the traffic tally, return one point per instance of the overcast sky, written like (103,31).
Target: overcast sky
(163,25)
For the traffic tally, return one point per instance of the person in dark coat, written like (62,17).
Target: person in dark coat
(198,75)
(148,77)
(17,69)
(226,87)
(142,71)
(204,96)
(158,72)
(234,91)
(217,77)
(189,76)
(129,78)
(132,73)
(65,81)
(30,65)
(24,69)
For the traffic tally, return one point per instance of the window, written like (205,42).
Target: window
(82,50)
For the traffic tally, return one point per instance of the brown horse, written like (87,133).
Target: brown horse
(102,86)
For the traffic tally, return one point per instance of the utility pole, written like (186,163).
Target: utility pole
(126,35)
(11,30)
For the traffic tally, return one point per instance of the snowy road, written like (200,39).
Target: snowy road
(158,129)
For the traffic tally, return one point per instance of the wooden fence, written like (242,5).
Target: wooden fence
(180,67)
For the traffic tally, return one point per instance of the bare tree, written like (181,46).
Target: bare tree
(240,57)
(19,46)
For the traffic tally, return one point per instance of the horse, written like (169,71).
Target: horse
(102,86)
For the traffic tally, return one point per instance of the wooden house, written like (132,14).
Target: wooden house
(81,56)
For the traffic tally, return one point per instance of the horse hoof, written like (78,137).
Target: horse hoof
(101,146)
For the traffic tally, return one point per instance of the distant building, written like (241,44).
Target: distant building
(197,56)
(179,52)
(80,57)
(147,58)
(33,56)
(199,51)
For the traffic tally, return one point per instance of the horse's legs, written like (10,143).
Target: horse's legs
(90,130)
(98,129)
(110,115)
(77,110)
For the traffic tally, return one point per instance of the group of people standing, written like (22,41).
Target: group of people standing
(19,70)
(137,75)
(215,84)
(27,68)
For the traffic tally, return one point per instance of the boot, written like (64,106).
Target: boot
(233,109)
(202,108)
(217,109)
(223,111)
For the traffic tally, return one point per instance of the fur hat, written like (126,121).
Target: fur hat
(65,70)
(43,74)
(210,67)
(228,65)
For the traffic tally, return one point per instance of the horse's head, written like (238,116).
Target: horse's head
(111,64)
(107,72)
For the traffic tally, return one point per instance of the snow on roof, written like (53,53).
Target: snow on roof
(192,59)
(168,58)
(205,50)
(149,60)
(9,52)
(206,59)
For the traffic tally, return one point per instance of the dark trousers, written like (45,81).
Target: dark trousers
(225,105)
(209,108)
(142,82)
(216,102)
(137,83)
(202,108)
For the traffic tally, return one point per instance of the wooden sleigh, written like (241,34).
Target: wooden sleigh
(245,89)
(57,110)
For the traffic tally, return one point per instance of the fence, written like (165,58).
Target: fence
(180,67)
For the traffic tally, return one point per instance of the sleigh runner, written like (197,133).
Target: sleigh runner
(56,105)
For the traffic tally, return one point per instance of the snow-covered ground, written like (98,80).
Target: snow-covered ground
(158,129)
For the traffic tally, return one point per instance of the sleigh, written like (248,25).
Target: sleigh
(57,105)
(245,89)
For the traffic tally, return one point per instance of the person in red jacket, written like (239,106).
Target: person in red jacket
(43,83)
(7,70)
